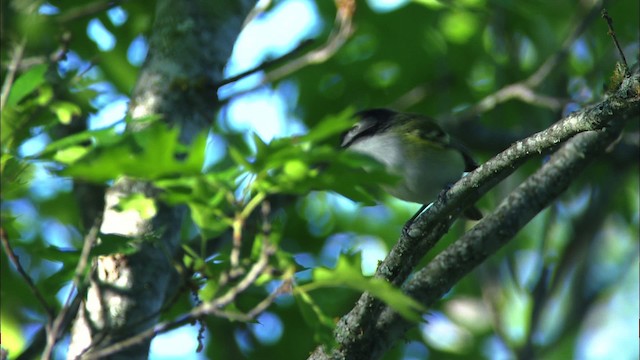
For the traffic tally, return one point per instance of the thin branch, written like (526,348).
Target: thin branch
(545,69)
(342,30)
(285,287)
(612,33)
(64,316)
(215,306)
(11,72)
(540,297)
(524,90)
(86,10)
(255,271)
(260,7)
(234,258)
(195,313)
(518,91)
(210,308)
(267,64)
(15,260)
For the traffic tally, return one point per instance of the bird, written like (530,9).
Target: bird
(416,149)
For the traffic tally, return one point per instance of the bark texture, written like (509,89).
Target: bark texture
(188,48)
(371,328)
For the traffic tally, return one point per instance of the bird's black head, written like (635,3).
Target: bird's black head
(369,122)
(379,114)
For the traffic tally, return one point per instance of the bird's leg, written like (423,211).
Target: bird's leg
(409,223)
(442,196)
(471,213)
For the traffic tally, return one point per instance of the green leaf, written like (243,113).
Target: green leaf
(330,126)
(207,196)
(112,244)
(211,221)
(208,291)
(15,176)
(54,253)
(143,205)
(101,137)
(458,27)
(321,324)
(65,111)
(239,158)
(152,153)
(348,273)
(71,154)
(27,83)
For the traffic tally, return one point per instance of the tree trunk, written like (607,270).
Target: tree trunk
(188,48)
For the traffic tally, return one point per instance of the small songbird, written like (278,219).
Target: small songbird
(416,149)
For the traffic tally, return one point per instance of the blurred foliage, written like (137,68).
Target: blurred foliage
(553,291)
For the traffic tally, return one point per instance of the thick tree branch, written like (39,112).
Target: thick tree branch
(371,328)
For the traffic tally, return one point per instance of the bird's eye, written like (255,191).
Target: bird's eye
(437,132)
(355,127)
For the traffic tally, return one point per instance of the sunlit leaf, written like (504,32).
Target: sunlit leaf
(330,127)
(65,111)
(348,273)
(113,244)
(15,176)
(27,83)
(152,153)
(321,325)
(143,205)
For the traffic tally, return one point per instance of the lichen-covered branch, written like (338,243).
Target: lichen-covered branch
(370,328)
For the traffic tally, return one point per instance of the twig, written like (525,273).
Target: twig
(86,10)
(61,53)
(11,72)
(540,297)
(209,308)
(490,294)
(234,258)
(260,7)
(515,91)
(545,69)
(267,64)
(53,331)
(342,30)
(16,262)
(524,90)
(612,33)
(238,223)
(266,302)
(196,313)
(255,271)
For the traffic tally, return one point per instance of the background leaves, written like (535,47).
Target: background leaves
(435,58)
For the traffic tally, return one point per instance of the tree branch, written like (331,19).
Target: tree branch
(370,327)
(15,260)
